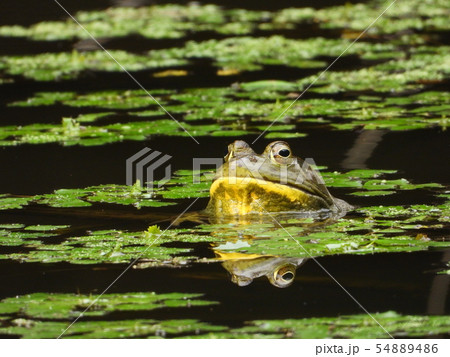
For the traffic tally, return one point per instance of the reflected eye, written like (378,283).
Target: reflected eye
(284,152)
(284,276)
(288,276)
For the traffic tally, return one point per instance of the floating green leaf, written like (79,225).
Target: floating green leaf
(57,311)
(13,202)
(352,326)
(45,227)
(97,247)
(41,315)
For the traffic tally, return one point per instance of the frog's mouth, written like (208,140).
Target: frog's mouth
(233,187)
(241,196)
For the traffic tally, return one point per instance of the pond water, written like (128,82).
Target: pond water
(59,251)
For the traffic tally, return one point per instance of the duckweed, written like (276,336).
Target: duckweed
(352,326)
(229,112)
(42,315)
(175,21)
(379,229)
(386,68)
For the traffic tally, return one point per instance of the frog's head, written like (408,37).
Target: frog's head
(274,181)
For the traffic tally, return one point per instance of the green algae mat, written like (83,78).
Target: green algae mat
(48,315)
(237,71)
(397,67)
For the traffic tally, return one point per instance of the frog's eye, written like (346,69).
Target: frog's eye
(284,276)
(284,152)
(280,149)
(280,153)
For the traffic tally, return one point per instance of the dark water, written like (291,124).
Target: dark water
(417,155)
(404,282)
(400,282)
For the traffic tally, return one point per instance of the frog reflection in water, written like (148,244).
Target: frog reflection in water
(273,185)
(275,181)
(269,185)
(244,268)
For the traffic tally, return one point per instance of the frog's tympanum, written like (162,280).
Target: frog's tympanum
(244,268)
(274,181)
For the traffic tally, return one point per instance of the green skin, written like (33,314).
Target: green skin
(274,181)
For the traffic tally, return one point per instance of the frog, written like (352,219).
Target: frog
(245,268)
(275,181)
